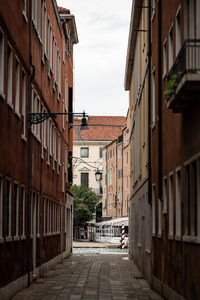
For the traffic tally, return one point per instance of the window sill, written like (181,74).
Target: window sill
(38,235)
(164,211)
(177,237)
(191,239)
(159,235)
(153,126)
(9,239)
(23,237)
(153,234)
(16,238)
(17,114)
(170,237)
(49,234)
(148,251)
(139,245)
(24,16)
(2,95)
(44,234)
(1,240)
(23,138)
(10,105)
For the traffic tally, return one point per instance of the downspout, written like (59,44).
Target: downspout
(31,76)
(159,101)
(149,102)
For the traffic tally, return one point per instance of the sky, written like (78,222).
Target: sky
(100,55)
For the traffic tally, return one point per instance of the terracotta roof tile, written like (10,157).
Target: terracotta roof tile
(63,10)
(99,133)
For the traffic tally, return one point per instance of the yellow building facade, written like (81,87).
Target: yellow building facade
(136,82)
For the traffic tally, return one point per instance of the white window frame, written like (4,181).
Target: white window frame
(23,104)
(170,47)
(178,30)
(153,209)
(164,195)
(42,134)
(23,212)
(159,218)
(24,9)
(165,58)
(17,85)
(178,205)
(2,54)
(171,205)
(153,112)
(8,237)
(9,76)
(16,234)
(44,216)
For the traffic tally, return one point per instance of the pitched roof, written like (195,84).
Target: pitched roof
(63,10)
(99,132)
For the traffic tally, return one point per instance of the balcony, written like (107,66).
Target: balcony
(184,78)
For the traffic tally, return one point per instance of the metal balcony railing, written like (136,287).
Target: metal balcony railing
(188,59)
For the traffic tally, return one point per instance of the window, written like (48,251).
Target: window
(44,215)
(37,211)
(22,212)
(17,70)
(191,199)
(153,211)
(66,94)
(85,179)
(44,28)
(165,58)
(100,152)
(178,204)
(170,49)
(9,74)
(24,8)
(153,116)
(1,63)
(171,207)
(84,152)
(178,31)
(63,178)
(23,103)
(50,137)
(1,207)
(59,142)
(153,9)
(16,209)
(8,208)
(165,195)
(159,217)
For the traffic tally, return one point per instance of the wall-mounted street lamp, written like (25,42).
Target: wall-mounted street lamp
(37,118)
(98,175)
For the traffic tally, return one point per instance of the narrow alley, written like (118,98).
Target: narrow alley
(91,277)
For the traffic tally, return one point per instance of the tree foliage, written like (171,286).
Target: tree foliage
(85,201)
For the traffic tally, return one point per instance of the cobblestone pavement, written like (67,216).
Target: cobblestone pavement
(91,277)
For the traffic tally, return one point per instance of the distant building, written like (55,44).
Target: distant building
(87,148)
(36,75)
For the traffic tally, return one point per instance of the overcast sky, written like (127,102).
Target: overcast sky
(100,55)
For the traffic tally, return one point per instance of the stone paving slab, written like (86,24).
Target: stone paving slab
(91,277)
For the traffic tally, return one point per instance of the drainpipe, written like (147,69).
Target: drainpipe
(31,76)
(149,102)
(159,101)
